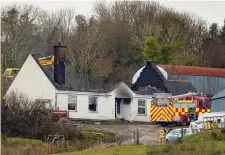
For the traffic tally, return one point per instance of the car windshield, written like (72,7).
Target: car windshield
(176,131)
(14,72)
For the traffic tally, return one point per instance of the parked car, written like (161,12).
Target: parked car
(174,136)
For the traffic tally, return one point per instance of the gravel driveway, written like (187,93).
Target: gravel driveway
(148,133)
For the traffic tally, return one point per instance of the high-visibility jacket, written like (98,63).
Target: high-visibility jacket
(208,126)
(161,133)
(217,124)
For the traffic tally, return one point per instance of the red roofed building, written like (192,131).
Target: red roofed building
(206,80)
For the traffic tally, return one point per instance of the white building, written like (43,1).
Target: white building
(121,102)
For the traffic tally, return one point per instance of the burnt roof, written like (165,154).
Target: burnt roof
(179,87)
(70,78)
(48,71)
(148,90)
(152,76)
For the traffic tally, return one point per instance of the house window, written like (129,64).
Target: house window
(118,107)
(43,103)
(93,104)
(72,102)
(141,107)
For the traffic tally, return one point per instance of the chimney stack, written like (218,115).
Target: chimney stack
(59,64)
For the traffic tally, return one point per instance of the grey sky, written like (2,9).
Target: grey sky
(211,11)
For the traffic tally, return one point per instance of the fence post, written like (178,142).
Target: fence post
(134,136)
(138,142)
(182,132)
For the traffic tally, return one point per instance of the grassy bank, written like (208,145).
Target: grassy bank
(22,146)
(121,150)
(206,143)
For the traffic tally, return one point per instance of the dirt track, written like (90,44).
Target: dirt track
(148,133)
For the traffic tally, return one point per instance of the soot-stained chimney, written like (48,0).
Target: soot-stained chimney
(59,63)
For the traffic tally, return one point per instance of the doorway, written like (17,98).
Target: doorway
(122,108)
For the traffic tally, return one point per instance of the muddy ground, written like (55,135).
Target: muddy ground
(148,133)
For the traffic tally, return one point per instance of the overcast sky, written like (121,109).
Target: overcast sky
(211,11)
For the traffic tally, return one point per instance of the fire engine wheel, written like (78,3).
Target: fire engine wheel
(63,120)
(184,121)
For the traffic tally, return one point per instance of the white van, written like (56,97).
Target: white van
(208,117)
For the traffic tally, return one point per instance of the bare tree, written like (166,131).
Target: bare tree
(19,33)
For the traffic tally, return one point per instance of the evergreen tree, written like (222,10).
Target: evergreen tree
(161,54)
(222,34)
(213,30)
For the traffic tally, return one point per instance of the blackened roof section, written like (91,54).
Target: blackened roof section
(70,79)
(179,87)
(48,71)
(148,90)
(152,76)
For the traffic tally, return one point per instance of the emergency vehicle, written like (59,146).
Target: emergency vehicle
(11,73)
(178,109)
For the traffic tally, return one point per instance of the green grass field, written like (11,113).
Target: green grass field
(121,150)
(205,143)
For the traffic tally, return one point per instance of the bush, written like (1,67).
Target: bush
(27,119)
(223,131)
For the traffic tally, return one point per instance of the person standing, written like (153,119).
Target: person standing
(162,134)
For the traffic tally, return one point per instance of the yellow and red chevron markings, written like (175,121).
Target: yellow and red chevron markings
(167,113)
(161,113)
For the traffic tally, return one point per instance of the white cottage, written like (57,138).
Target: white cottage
(39,83)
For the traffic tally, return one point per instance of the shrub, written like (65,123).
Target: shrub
(223,131)
(24,118)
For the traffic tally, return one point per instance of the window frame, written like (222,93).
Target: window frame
(72,102)
(145,106)
(118,105)
(96,104)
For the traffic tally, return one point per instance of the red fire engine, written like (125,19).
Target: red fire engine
(178,109)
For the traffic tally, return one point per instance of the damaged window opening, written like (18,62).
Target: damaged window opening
(93,104)
(72,102)
(43,103)
(141,107)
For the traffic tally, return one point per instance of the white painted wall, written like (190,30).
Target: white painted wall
(134,110)
(32,82)
(106,107)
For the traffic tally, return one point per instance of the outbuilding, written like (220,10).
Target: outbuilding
(218,101)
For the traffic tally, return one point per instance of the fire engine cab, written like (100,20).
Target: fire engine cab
(167,109)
